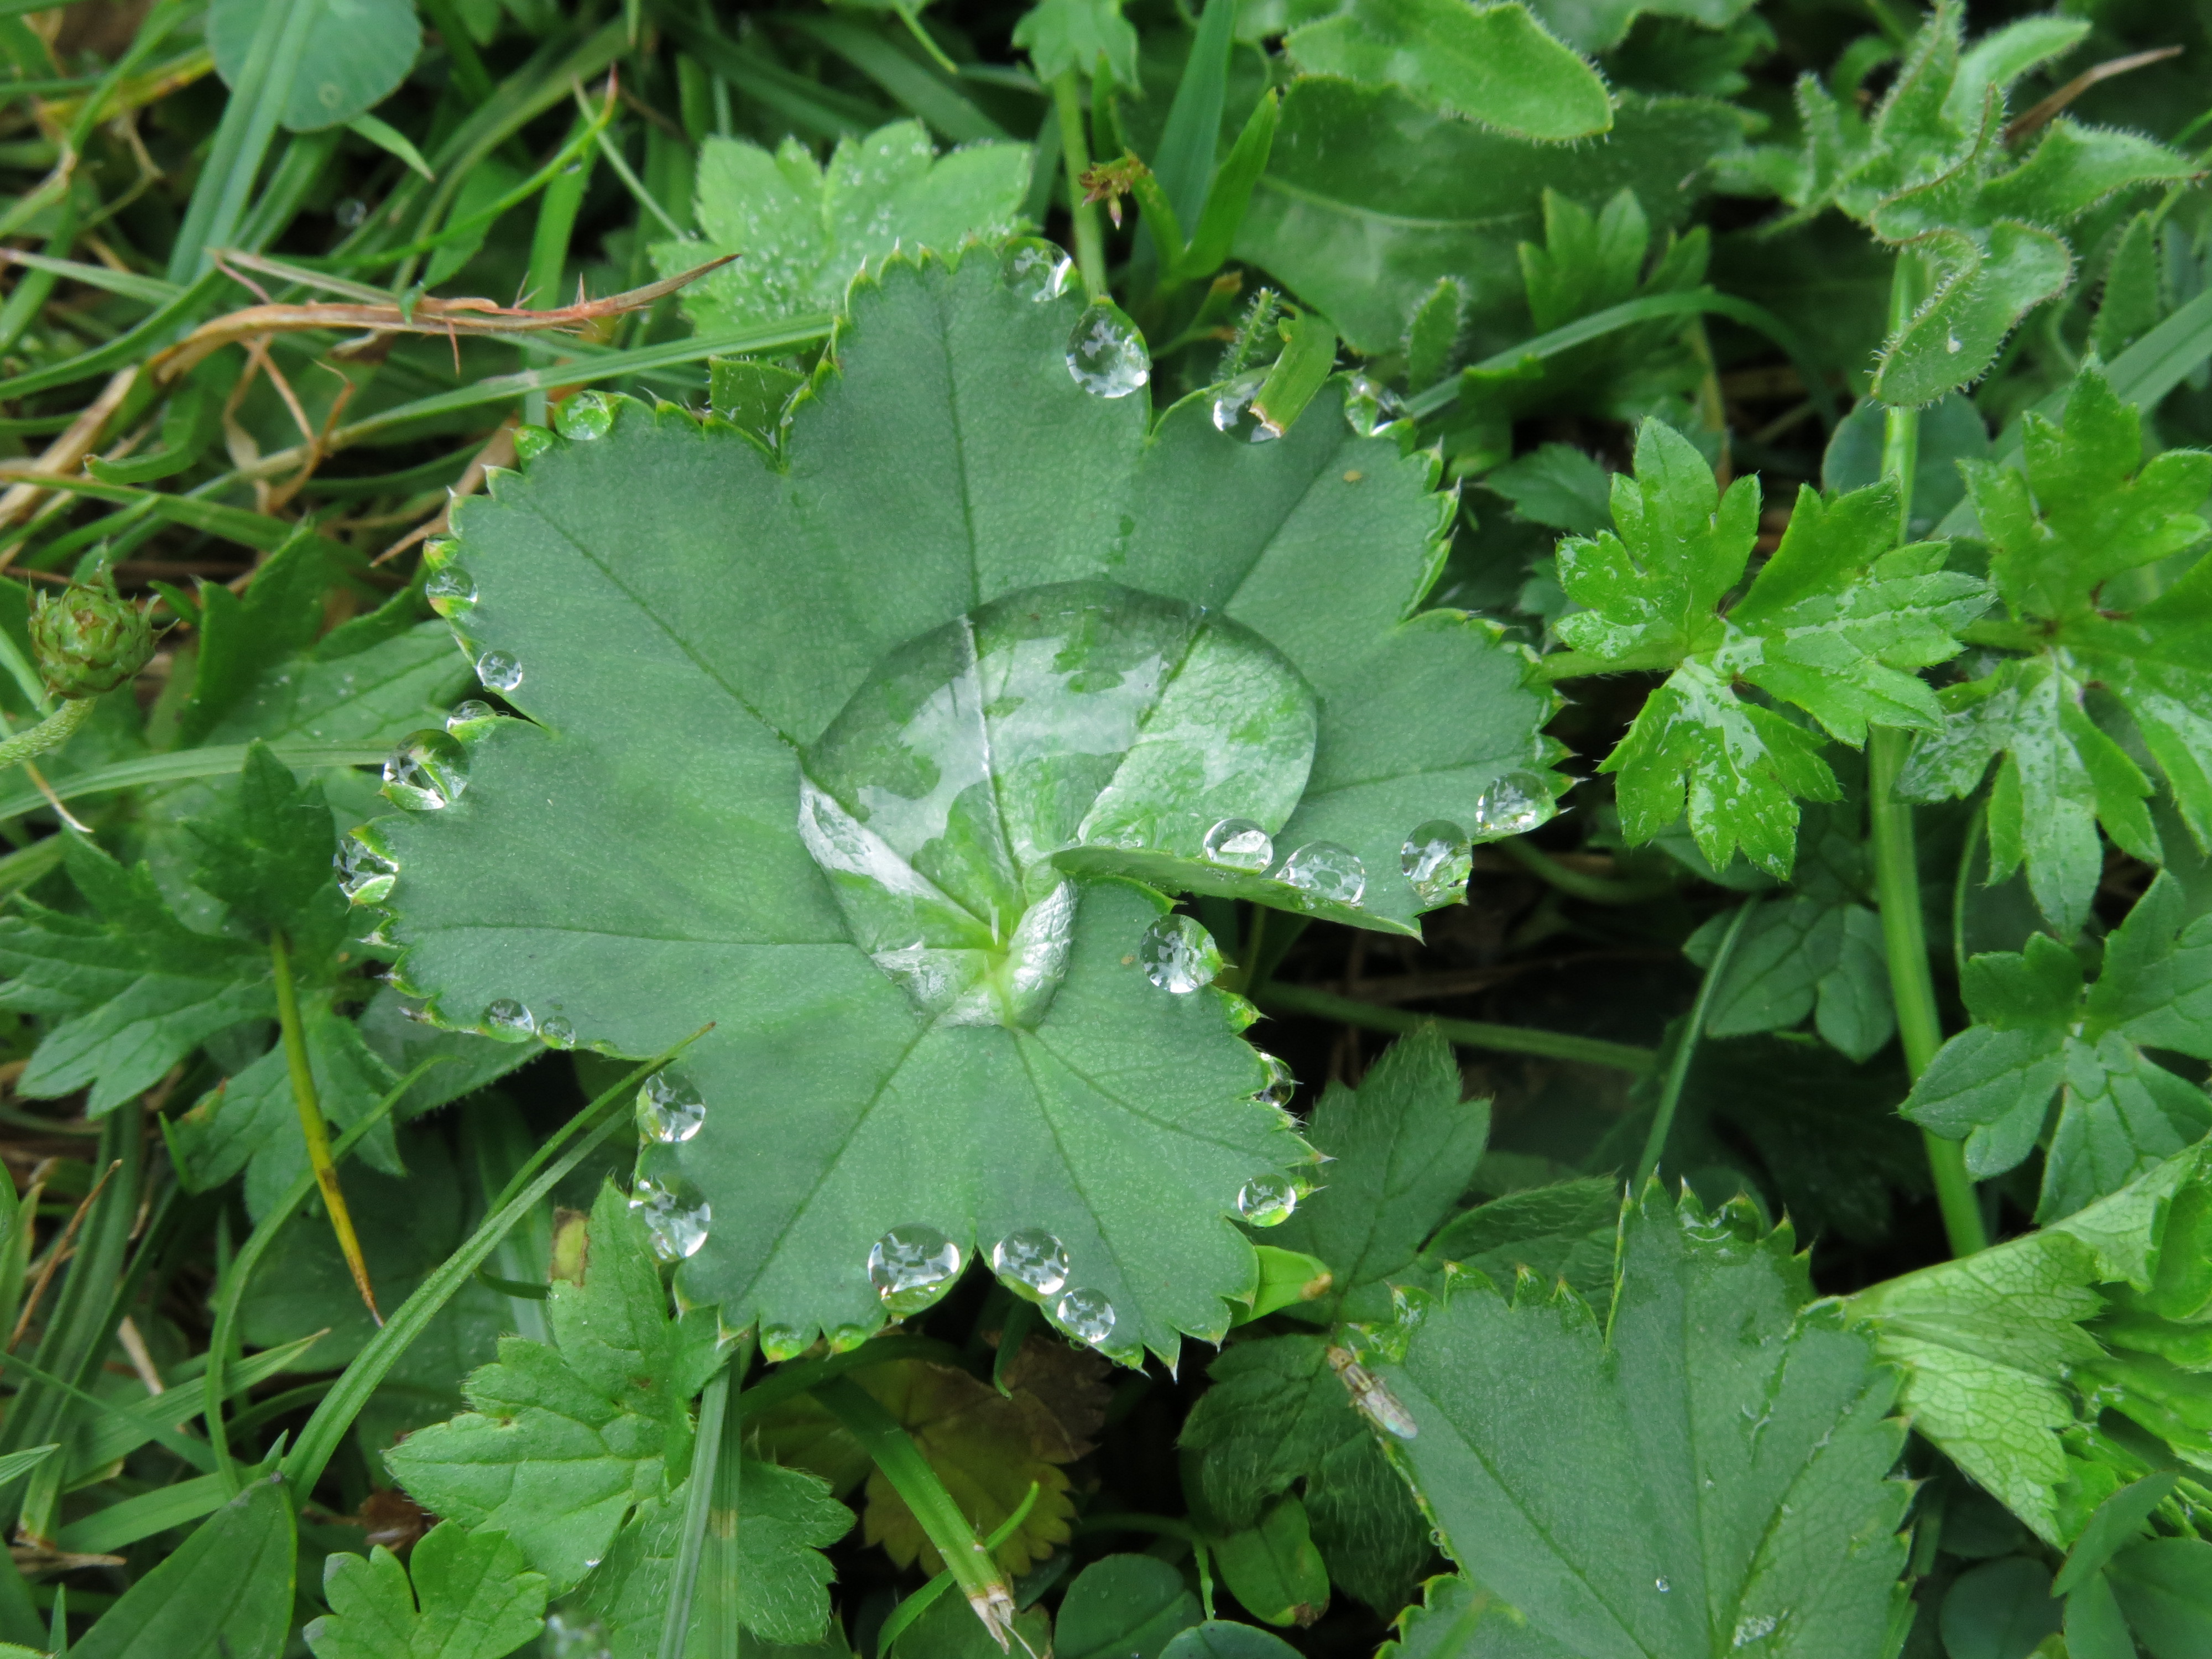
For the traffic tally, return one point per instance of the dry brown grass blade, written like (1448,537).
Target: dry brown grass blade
(427,316)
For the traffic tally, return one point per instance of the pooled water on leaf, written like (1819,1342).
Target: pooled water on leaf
(450,588)
(675,1212)
(1240,844)
(1267,1200)
(1074,729)
(1035,270)
(670,1107)
(1752,1627)
(427,772)
(499,671)
(1106,355)
(1437,860)
(1513,806)
(509,1019)
(1032,1257)
(911,1266)
(1087,1315)
(365,875)
(1326,871)
(1178,955)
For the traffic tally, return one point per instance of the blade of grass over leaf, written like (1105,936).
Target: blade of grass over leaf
(312,1128)
(904,1615)
(1686,1047)
(319,1440)
(894,1452)
(230,1293)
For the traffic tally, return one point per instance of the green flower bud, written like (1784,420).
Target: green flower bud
(91,640)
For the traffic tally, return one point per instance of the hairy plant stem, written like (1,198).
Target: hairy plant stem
(1685,1051)
(1896,858)
(310,1121)
(52,732)
(1075,151)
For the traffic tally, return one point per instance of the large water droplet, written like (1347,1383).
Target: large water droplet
(1280,1084)
(1438,860)
(1233,412)
(1368,406)
(365,875)
(676,1215)
(1267,1200)
(427,772)
(1513,806)
(584,416)
(466,715)
(1035,270)
(1240,844)
(1326,871)
(1032,1257)
(510,1020)
(499,671)
(1178,955)
(1106,354)
(670,1107)
(557,1031)
(1087,1315)
(450,588)
(911,1266)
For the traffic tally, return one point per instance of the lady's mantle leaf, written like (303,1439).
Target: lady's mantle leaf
(850,752)
(2087,509)
(565,1440)
(2007,1363)
(801,232)
(1087,36)
(1708,1475)
(1832,622)
(2038,1032)
(786,1518)
(478,1600)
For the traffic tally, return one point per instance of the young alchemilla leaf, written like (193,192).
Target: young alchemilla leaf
(1594,25)
(131,989)
(1403,1146)
(1708,1473)
(472,1597)
(1832,622)
(881,757)
(1087,36)
(268,859)
(1493,65)
(802,231)
(2038,1032)
(565,1441)
(785,1519)
(2087,509)
(2000,1353)
(1930,170)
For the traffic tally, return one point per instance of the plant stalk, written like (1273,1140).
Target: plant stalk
(1075,152)
(1896,856)
(1468,1033)
(1685,1051)
(311,1121)
(52,732)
